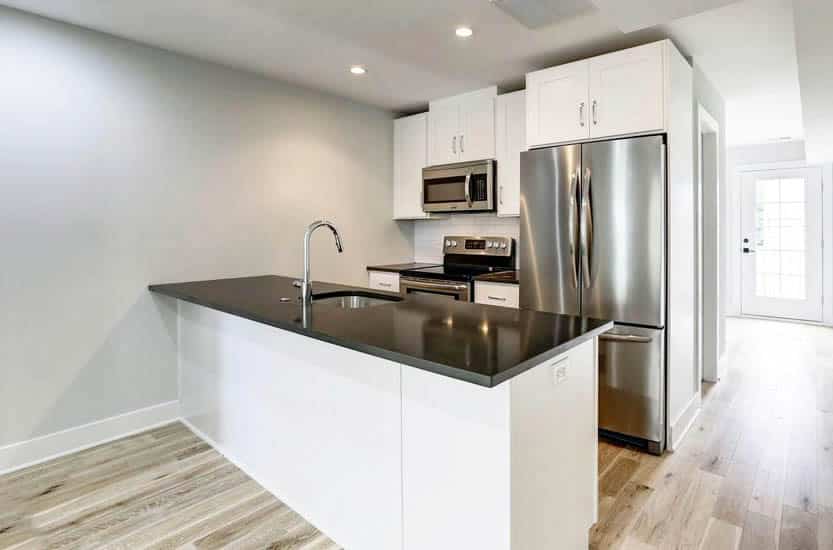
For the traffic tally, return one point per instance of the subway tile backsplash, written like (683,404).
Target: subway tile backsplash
(428,234)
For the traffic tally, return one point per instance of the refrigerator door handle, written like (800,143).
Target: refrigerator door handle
(586,228)
(574,225)
(626,338)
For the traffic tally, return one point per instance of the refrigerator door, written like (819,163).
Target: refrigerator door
(623,230)
(549,255)
(632,384)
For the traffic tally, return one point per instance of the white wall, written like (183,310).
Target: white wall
(428,234)
(714,202)
(123,165)
(786,153)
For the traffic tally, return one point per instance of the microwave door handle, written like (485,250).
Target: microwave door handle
(468,189)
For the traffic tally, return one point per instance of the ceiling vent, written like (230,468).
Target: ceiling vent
(534,14)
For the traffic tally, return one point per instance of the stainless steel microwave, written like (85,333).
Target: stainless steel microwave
(460,187)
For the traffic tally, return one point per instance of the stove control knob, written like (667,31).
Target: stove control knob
(447,243)
(488,244)
(453,243)
(503,245)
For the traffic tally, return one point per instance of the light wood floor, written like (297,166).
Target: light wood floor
(755,472)
(161,489)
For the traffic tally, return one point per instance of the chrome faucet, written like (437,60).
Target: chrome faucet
(305,285)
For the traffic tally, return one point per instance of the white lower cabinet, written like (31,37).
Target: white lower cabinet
(504,468)
(383,280)
(384,456)
(496,294)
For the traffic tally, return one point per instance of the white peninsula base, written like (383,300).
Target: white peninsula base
(383,456)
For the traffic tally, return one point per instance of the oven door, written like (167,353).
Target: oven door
(456,291)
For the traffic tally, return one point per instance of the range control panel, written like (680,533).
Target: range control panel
(482,246)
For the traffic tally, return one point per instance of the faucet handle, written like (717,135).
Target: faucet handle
(297,284)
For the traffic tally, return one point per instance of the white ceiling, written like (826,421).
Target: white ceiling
(746,49)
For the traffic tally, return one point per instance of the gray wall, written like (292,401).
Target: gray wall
(122,165)
(706,94)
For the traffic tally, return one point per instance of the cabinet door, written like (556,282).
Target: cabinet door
(444,133)
(557,105)
(477,128)
(409,158)
(510,141)
(626,91)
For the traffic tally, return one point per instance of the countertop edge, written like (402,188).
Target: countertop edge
(422,364)
(533,362)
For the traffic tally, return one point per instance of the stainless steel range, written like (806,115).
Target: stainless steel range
(464,258)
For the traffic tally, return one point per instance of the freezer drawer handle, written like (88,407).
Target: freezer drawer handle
(626,338)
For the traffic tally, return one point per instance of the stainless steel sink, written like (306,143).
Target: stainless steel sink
(347,300)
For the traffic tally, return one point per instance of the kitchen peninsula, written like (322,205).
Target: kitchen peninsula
(390,423)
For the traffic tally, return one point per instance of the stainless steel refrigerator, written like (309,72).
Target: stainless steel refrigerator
(593,243)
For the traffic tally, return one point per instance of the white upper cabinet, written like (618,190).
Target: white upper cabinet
(510,141)
(626,91)
(610,95)
(409,158)
(557,104)
(444,133)
(462,128)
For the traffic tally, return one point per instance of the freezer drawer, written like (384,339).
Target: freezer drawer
(632,383)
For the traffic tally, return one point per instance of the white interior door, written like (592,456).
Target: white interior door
(782,243)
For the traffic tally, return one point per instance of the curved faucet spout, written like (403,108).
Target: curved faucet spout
(305,286)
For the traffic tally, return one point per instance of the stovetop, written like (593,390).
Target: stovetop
(466,257)
(452,272)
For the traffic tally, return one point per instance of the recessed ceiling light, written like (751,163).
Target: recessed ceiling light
(358,69)
(463,31)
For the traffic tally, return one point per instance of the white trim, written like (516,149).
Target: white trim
(779,319)
(40,449)
(680,427)
(722,366)
(827,235)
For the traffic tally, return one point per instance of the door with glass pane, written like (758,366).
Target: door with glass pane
(781,243)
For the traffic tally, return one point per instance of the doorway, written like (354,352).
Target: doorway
(781,221)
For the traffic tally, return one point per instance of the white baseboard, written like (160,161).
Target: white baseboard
(680,427)
(43,448)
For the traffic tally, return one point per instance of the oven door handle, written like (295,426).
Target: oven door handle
(432,286)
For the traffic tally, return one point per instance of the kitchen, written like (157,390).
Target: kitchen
(495,258)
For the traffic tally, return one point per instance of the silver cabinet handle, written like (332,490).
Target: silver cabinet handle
(468,190)
(462,147)
(632,338)
(496,298)
(581,114)
(500,194)
(587,228)
(454,145)
(595,114)
(387,285)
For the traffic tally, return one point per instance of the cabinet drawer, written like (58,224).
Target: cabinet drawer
(496,294)
(383,280)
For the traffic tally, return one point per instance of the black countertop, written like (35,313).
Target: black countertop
(396,268)
(507,277)
(481,344)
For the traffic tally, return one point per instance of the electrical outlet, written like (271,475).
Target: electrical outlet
(560,372)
